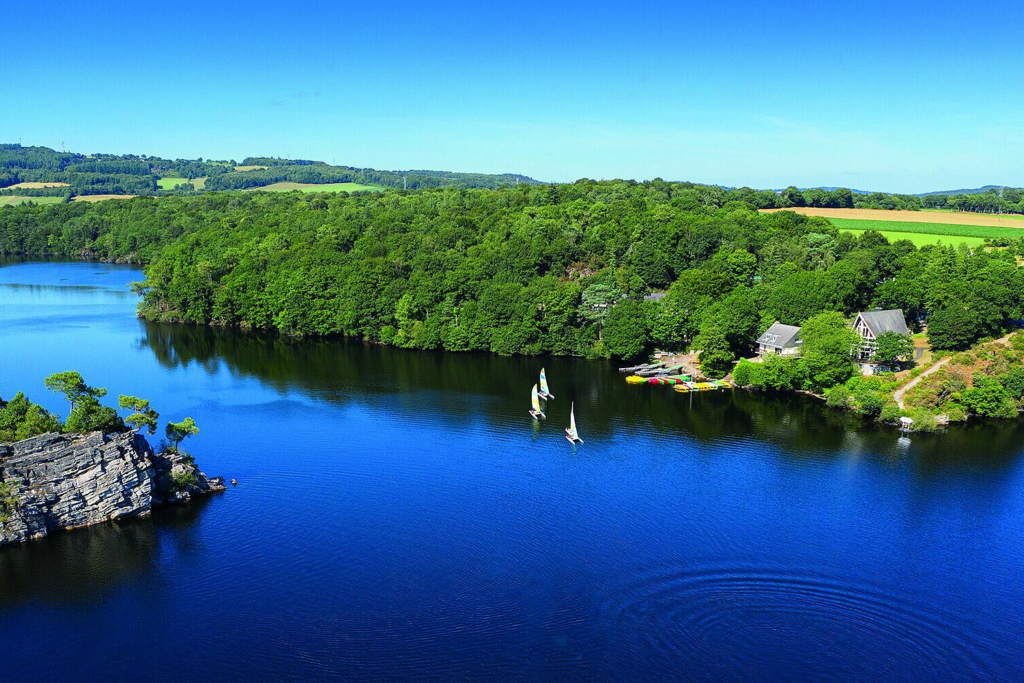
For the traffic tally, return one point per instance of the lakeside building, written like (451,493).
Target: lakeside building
(870,325)
(779,339)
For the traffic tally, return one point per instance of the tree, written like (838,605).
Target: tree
(953,327)
(627,329)
(892,348)
(142,415)
(87,415)
(828,343)
(178,431)
(715,355)
(74,388)
(20,419)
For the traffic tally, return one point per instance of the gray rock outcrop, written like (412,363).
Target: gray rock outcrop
(64,481)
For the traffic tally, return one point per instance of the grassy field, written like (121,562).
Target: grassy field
(920,239)
(34,186)
(938,230)
(14,200)
(170,183)
(100,197)
(249,168)
(951,217)
(309,187)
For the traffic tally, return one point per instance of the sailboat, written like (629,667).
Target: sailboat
(536,412)
(545,393)
(570,433)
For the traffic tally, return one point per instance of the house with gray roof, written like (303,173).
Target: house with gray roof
(870,325)
(783,340)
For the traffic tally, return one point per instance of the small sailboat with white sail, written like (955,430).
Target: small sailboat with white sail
(535,410)
(570,433)
(545,393)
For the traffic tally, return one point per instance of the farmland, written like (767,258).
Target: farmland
(311,187)
(920,239)
(937,230)
(14,200)
(34,186)
(171,183)
(242,169)
(101,197)
(952,217)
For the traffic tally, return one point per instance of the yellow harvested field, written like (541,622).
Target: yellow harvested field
(34,186)
(249,168)
(985,219)
(100,197)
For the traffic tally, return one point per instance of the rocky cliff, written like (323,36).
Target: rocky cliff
(63,481)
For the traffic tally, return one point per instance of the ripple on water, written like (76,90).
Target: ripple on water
(734,623)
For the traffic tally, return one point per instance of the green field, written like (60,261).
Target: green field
(309,187)
(14,200)
(921,239)
(170,183)
(929,233)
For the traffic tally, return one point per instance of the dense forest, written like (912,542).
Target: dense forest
(561,269)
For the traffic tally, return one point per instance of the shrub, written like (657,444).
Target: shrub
(741,374)
(870,402)
(8,501)
(890,413)
(838,396)
(183,481)
(924,421)
(955,412)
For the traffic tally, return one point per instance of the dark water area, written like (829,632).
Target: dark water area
(401,517)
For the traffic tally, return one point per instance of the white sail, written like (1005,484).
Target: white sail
(572,422)
(544,383)
(534,399)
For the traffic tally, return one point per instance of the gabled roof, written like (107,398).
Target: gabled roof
(782,336)
(880,322)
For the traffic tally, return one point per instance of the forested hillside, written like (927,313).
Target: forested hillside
(80,174)
(552,269)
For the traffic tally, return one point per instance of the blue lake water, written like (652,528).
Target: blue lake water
(400,517)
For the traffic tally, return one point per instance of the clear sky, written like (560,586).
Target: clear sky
(899,96)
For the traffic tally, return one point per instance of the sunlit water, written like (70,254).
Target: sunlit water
(399,516)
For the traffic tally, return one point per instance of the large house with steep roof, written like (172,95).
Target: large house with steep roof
(870,325)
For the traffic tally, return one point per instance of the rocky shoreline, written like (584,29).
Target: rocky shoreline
(57,482)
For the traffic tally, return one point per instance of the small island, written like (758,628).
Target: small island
(93,467)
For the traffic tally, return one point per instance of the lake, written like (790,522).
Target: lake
(399,516)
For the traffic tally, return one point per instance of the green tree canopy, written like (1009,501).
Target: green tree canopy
(178,431)
(828,343)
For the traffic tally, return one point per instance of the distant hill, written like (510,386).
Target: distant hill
(976,190)
(44,172)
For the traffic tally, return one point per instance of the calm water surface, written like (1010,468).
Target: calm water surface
(400,517)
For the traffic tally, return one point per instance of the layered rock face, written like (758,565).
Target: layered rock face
(64,481)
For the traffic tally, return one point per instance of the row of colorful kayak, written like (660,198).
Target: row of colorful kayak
(682,383)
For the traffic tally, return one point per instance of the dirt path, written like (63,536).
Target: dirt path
(900,393)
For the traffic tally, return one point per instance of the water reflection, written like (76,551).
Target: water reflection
(83,565)
(340,371)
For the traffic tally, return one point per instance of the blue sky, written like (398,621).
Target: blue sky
(908,96)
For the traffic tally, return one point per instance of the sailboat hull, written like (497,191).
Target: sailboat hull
(537,415)
(571,439)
